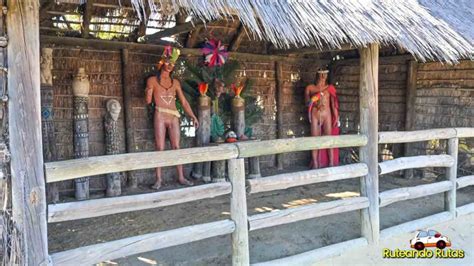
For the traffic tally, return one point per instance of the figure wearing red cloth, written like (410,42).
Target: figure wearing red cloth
(323,114)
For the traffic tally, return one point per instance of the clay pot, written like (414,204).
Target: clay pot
(80,83)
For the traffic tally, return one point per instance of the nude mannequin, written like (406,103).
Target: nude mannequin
(162,90)
(322,113)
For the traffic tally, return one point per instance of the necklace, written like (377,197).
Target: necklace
(172,83)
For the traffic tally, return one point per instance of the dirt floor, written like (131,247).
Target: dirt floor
(265,244)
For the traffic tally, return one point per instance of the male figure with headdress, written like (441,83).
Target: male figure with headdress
(323,114)
(162,90)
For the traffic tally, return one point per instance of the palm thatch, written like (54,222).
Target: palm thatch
(321,23)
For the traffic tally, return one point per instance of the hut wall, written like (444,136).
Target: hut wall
(445,98)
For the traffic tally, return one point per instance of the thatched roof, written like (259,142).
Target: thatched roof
(429,29)
(323,23)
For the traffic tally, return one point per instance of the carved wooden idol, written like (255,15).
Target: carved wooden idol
(112,144)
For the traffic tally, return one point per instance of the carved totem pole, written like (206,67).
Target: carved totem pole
(80,88)
(203,133)
(112,144)
(47,99)
(238,111)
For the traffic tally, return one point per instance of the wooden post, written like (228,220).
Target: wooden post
(450,196)
(80,87)
(238,213)
(128,113)
(280,158)
(86,18)
(410,109)
(203,137)
(24,116)
(218,171)
(47,100)
(112,142)
(368,94)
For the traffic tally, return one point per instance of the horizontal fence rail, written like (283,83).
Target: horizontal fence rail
(465,181)
(268,147)
(309,257)
(465,209)
(425,135)
(93,254)
(415,225)
(70,169)
(105,206)
(399,194)
(288,180)
(97,165)
(309,211)
(415,162)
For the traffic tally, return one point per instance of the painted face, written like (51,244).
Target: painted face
(168,66)
(322,76)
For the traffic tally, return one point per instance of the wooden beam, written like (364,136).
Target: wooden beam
(106,206)
(238,38)
(368,154)
(465,209)
(93,254)
(70,169)
(24,117)
(267,147)
(422,161)
(416,136)
(399,194)
(415,225)
(465,132)
(313,50)
(238,213)
(128,112)
(178,29)
(312,257)
(310,211)
(280,158)
(155,48)
(288,180)
(86,18)
(412,69)
(465,181)
(451,175)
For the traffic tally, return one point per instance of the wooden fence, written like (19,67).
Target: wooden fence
(240,224)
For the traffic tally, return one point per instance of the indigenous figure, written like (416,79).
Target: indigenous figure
(323,114)
(162,90)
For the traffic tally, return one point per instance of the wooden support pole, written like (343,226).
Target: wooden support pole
(450,196)
(368,94)
(405,193)
(465,181)
(239,36)
(24,116)
(238,213)
(86,18)
(410,109)
(80,87)
(280,158)
(128,112)
(422,161)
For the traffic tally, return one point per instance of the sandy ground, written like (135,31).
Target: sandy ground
(266,244)
(459,231)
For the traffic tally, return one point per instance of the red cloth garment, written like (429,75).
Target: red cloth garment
(323,155)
